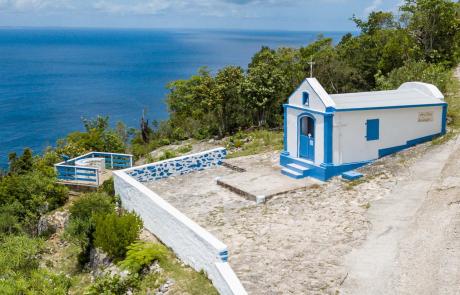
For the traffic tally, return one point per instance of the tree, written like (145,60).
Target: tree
(97,137)
(191,105)
(435,26)
(22,164)
(263,88)
(228,104)
(376,21)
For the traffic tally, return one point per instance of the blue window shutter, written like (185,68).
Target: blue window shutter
(305,98)
(372,129)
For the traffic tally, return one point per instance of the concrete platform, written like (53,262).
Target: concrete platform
(261,185)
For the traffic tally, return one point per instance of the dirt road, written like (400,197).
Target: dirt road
(413,246)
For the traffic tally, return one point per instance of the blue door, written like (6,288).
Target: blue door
(307,138)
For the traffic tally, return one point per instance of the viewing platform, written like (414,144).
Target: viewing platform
(92,169)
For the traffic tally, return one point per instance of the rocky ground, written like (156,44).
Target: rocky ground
(295,243)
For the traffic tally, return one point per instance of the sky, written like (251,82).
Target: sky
(300,15)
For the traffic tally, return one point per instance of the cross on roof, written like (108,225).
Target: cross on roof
(311,63)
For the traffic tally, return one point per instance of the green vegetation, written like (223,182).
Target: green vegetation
(96,137)
(114,233)
(20,271)
(253,142)
(141,254)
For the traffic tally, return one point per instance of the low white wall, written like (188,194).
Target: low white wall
(192,244)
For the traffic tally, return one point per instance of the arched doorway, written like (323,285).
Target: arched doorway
(307,138)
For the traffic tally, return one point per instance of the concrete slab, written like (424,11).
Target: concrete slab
(261,185)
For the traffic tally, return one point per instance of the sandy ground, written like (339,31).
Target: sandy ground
(296,243)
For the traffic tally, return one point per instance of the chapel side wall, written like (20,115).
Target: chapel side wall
(397,126)
(292,134)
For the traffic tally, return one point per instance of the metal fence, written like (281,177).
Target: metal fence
(68,172)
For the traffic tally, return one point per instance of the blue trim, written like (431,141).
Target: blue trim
(392,107)
(328,138)
(444,119)
(285,128)
(305,109)
(324,171)
(224,255)
(351,175)
(410,143)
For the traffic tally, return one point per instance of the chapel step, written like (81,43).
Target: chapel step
(292,173)
(298,168)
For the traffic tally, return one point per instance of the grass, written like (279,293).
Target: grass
(187,281)
(453,111)
(253,142)
(453,99)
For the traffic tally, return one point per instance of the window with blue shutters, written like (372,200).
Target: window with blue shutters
(305,98)
(372,129)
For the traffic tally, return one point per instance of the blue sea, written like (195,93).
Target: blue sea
(52,78)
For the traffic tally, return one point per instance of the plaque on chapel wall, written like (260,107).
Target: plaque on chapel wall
(425,116)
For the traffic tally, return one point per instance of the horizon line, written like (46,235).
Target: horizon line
(175,28)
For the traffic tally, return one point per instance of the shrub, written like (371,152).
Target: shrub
(114,233)
(113,285)
(81,223)
(9,222)
(141,254)
(33,194)
(415,71)
(19,254)
(168,154)
(108,187)
(185,149)
(41,281)
(90,204)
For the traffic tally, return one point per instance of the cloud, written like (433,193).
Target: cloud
(374,5)
(217,8)
(140,7)
(26,5)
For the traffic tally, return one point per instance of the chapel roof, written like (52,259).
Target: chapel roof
(408,94)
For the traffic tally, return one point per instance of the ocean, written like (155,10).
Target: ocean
(52,78)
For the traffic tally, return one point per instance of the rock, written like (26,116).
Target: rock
(165,287)
(53,222)
(152,268)
(98,262)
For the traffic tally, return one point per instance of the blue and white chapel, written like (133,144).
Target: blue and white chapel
(326,135)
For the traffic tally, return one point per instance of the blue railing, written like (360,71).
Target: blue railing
(67,171)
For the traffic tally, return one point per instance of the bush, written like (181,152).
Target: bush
(415,71)
(19,254)
(81,225)
(108,187)
(185,149)
(141,254)
(114,233)
(90,204)
(113,285)
(32,194)
(41,281)
(9,222)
